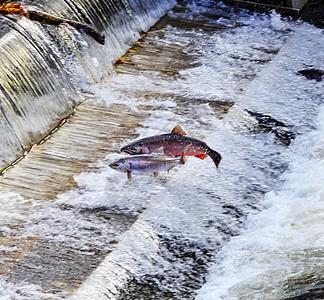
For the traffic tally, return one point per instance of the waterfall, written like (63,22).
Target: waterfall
(44,67)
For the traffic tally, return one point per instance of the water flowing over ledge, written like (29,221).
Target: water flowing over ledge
(44,67)
(72,226)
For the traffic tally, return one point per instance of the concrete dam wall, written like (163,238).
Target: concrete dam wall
(43,66)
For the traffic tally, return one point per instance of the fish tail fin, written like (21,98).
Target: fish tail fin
(215,156)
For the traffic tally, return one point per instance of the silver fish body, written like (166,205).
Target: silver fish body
(143,164)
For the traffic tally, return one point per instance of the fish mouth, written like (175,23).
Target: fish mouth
(113,166)
(128,151)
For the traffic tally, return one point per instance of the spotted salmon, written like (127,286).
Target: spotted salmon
(173,144)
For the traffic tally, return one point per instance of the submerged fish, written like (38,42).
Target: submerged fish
(173,144)
(146,164)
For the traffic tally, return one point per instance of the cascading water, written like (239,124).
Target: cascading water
(230,78)
(36,90)
(42,67)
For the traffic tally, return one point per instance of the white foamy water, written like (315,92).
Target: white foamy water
(280,254)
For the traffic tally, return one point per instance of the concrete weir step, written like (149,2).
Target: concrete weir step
(88,135)
(289,7)
(45,172)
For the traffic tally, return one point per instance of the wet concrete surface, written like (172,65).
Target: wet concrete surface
(88,135)
(47,171)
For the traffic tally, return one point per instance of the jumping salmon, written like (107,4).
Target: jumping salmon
(173,144)
(142,164)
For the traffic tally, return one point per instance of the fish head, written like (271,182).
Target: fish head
(120,165)
(134,149)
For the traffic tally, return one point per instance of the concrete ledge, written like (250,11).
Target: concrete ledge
(264,7)
(311,11)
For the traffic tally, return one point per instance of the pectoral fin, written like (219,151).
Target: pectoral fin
(183,158)
(201,156)
(159,150)
(129,175)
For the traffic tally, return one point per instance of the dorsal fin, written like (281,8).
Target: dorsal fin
(178,130)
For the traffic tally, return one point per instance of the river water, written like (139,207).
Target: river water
(252,229)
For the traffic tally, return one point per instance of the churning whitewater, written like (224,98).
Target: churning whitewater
(279,255)
(250,229)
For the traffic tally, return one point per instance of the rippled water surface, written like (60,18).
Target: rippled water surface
(251,228)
